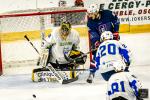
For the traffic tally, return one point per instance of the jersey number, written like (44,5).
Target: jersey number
(116,86)
(111,49)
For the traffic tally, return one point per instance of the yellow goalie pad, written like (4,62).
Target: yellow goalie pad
(44,75)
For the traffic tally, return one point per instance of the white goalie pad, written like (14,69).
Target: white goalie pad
(44,57)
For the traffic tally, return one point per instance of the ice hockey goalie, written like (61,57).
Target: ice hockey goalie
(60,57)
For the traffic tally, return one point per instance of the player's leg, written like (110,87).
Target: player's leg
(92,67)
(93,43)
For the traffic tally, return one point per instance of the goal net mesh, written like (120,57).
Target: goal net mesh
(15,24)
(27,20)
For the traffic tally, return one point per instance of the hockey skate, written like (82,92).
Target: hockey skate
(90,78)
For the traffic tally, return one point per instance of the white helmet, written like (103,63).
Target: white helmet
(93,8)
(119,66)
(106,35)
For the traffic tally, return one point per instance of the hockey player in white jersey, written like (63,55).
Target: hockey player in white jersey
(123,86)
(109,52)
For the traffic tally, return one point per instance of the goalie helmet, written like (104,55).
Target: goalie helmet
(107,35)
(65,26)
(65,29)
(93,8)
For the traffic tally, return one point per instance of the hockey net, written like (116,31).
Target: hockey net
(16,51)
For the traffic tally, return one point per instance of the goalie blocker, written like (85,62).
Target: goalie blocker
(62,73)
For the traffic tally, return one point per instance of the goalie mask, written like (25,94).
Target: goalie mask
(65,29)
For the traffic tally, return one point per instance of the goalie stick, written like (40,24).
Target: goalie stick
(31,43)
(57,75)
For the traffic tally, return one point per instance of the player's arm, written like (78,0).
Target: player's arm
(124,52)
(135,84)
(50,40)
(116,23)
(94,35)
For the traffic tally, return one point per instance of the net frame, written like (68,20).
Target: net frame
(41,13)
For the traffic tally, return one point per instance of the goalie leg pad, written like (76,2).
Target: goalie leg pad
(44,57)
(43,75)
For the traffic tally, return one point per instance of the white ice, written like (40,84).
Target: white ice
(16,83)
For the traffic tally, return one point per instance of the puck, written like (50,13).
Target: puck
(34,96)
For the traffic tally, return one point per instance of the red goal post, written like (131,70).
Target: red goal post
(15,24)
(0,60)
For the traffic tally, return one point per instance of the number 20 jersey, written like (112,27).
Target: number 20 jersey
(109,51)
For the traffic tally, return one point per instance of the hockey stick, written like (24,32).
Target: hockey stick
(74,70)
(70,69)
(57,74)
(91,51)
(31,44)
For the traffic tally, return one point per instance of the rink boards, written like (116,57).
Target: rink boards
(83,31)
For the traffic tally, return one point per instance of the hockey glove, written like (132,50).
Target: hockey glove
(97,43)
(127,66)
(116,36)
(93,68)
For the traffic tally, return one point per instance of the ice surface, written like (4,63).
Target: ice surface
(15,85)
(20,86)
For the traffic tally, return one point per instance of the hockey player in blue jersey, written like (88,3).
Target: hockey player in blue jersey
(109,53)
(98,22)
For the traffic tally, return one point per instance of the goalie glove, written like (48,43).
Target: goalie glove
(76,57)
